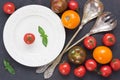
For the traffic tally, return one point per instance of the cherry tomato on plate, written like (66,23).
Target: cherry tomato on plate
(109,39)
(90,64)
(9,7)
(29,38)
(90,42)
(115,64)
(73,5)
(64,68)
(105,71)
(80,71)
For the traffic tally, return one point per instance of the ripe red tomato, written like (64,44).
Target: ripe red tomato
(106,71)
(90,64)
(80,71)
(73,5)
(9,7)
(64,68)
(29,38)
(90,42)
(115,64)
(109,39)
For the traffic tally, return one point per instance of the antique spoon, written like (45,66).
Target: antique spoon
(92,9)
(103,23)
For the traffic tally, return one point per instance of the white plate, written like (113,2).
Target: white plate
(27,19)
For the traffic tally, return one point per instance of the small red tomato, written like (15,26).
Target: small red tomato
(64,68)
(9,7)
(90,64)
(105,71)
(90,42)
(109,39)
(80,71)
(29,38)
(73,5)
(115,64)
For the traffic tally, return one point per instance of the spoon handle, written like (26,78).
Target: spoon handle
(48,73)
(42,69)
(77,41)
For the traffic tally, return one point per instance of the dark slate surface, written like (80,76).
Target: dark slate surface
(27,73)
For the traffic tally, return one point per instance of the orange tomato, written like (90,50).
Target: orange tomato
(70,19)
(102,54)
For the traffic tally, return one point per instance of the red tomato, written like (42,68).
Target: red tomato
(109,39)
(9,7)
(29,38)
(73,5)
(64,68)
(80,71)
(90,64)
(115,64)
(90,42)
(106,71)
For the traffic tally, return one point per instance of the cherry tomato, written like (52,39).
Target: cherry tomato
(105,71)
(64,68)
(109,39)
(115,64)
(9,7)
(90,42)
(90,64)
(77,55)
(80,71)
(29,38)
(73,5)
(70,19)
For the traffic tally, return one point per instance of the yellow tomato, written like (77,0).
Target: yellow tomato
(70,19)
(102,54)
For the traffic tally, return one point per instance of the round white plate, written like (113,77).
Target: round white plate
(26,20)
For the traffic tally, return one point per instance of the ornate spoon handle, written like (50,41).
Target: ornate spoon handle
(48,73)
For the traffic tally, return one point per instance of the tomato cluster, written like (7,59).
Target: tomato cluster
(101,54)
(90,65)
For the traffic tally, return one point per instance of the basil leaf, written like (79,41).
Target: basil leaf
(45,41)
(43,35)
(8,67)
(40,30)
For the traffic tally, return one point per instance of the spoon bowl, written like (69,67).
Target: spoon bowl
(103,23)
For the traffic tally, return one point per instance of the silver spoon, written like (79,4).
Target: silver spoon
(103,23)
(92,9)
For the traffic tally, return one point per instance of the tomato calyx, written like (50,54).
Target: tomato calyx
(29,38)
(91,42)
(67,18)
(98,72)
(110,39)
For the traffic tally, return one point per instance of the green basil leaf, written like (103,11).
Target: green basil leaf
(8,67)
(43,36)
(45,41)
(40,30)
